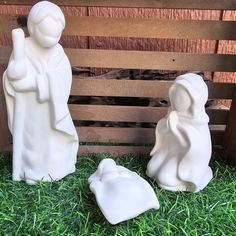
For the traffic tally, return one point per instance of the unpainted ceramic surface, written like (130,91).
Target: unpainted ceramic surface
(183,146)
(37,85)
(120,193)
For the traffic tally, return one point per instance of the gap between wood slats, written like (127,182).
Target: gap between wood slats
(180,4)
(133,135)
(139,88)
(133,114)
(116,151)
(139,28)
(143,60)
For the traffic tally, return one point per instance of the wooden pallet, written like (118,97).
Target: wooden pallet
(136,140)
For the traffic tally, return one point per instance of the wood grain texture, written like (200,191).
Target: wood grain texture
(176,45)
(20,11)
(138,28)
(143,60)
(151,60)
(227,47)
(189,4)
(133,113)
(133,135)
(93,86)
(116,151)
(230,133)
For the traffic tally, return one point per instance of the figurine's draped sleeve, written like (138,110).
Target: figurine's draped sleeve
(59,90)
(55,86)
(9,97)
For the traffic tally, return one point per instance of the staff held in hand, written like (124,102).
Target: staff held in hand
(17,68)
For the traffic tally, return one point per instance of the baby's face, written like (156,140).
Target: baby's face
(179,98)
(48,32)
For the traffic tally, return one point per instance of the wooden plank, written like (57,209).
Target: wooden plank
(138,28)
(181,4)
(151,60)
(174,45)
(94,86)
(151,28)
(230,133)
(143,60)
(133,113)
(116,151)
(133,135)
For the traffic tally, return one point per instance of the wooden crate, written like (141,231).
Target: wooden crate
(136,140)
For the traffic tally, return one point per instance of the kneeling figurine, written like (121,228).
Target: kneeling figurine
(183,146)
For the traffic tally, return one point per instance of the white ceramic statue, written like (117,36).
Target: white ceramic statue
(120,193)
(183,147)
(37,85)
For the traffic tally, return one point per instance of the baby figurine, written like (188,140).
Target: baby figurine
(120,193)
(37,86)
(183,147)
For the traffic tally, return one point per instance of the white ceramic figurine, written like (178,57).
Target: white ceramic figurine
(37,85)
(183,146)
(120,193)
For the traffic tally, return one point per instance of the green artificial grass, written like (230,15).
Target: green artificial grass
(69,208)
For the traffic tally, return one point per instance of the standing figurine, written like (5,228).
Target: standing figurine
(183,147)
(37,85)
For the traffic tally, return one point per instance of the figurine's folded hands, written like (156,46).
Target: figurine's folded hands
(172,120)
(172,123)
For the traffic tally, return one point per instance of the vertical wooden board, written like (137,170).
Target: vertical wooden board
(226,47)
(66,41)
(230,132)
(177,45)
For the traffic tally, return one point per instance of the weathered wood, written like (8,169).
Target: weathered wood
(133,113)
(143,60)
(133,135)
(116,151)
(139,28)
(95,86)
(151,60)
(181,4)
(226,47)
(230,133)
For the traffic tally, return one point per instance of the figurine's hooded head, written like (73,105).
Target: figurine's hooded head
(194,86)
(46,23)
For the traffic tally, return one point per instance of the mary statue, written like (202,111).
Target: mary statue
(37,85)
(181,155)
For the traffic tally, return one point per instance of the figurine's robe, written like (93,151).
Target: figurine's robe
(180,157)
(45,142)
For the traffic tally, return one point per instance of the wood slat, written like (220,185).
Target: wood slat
(139,28)
(150,28)
(116,151)
(180,4)
(143,60)
(151,60)
(133,135)
(93,86)
(133,114)
(230,133)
